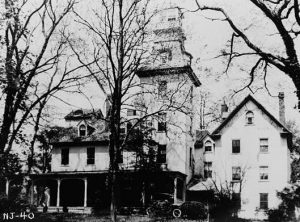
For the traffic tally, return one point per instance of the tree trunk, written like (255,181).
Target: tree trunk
(114,147)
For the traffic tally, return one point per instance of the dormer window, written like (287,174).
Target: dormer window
(82,130)
(249,117)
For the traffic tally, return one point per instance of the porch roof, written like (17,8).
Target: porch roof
(203,186)
(60,174)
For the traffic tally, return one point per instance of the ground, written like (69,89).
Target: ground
(46,217)
(90,218)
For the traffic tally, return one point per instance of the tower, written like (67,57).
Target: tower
(169,85)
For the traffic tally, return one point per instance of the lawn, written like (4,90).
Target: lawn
(48,217)
(71,217)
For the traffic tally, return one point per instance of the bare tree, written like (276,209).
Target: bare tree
(285,19)
(119,35)
(36,62)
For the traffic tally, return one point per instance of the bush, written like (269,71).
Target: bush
(194,210)
(16,205)
(285,212)
(281,214)
(160,208)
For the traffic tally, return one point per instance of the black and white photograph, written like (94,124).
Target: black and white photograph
(150,110)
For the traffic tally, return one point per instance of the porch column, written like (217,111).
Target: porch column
(7,187)
(85,192)
(58,193)
(184,191)
(175,190)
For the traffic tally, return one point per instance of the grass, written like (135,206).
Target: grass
(71,217)
(48,217)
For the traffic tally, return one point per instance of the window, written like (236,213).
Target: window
(162,119)
(90,153)
(131,112)
(191,157)
(249,117)
(236,198)
(263,173)
(164,57)
(180,186)
(171,19)
(129,126)
(65,156)
(207,170)
(236,173)
(264,145)
(120,157)
(82,130)
(162,90)
(236,148)
(122,130)
(263,201)
(162,154)
(208,146)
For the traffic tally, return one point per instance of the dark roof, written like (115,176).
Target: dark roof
(201,134)
(146,72)
(81,114)
(97,132)
(237,109)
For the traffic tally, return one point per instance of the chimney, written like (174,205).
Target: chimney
(224,111)
(281,107)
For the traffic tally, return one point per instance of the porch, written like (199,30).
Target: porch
(79,192)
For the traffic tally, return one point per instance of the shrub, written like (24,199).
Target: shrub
(194,210)
(15,205)
(160,208)
(281,214)
(285,212)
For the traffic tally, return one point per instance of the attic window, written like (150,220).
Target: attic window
(208,146)
(82,130)
(171,19)
(249,117)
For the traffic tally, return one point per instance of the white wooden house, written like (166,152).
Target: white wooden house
(249,155)
(80,160)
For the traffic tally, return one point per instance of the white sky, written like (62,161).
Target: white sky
(205,40)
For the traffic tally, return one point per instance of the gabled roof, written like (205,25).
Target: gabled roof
(239,107)
(200,136)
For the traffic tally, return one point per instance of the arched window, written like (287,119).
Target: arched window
(249,117)
(82,130)
(208,146)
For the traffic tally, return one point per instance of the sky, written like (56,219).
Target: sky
(206,37)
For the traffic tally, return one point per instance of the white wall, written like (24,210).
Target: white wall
(78,159)
(178,138)
(250,158)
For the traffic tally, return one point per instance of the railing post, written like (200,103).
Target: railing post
(85,192)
